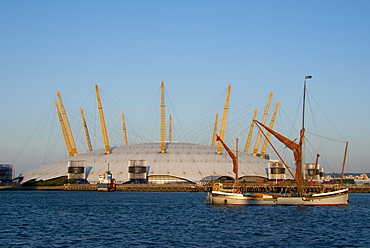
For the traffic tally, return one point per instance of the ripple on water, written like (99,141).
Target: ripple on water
(140,219)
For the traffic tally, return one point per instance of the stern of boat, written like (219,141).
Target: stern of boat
(209,198)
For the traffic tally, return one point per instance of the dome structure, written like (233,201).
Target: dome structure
(181,163)
(161,162)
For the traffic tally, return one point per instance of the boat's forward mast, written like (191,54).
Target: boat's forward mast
(295,147)
(234,158)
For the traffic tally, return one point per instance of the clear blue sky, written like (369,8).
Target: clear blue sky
(197,47)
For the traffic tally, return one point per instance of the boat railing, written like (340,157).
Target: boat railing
(220,187)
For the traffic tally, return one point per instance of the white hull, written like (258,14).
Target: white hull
(335,198)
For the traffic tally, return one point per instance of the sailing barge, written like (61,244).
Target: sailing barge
(220,196)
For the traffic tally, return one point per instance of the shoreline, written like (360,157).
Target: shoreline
(179,188)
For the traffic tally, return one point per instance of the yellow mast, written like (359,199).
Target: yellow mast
(170,130)
(224,120)
(250,134)
(259,135)
(88,141)
(272,123)
(64,131)
(72,145)
(214,136)
(163,122)
(125,140)
(102,121)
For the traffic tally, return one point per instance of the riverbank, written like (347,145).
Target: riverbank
(122,187)
(186,188)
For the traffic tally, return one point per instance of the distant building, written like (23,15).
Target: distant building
(138,171)
(76,170)
(276,171)
(313,172)
(6,174)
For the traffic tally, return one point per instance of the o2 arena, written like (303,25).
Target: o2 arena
(157,162)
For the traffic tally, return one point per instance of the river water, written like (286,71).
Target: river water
(172,219)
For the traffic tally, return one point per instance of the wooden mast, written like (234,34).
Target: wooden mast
(295,147)
(344,164)
(316,165)
(289,144)
(233,157)
(236,169)
(299,162)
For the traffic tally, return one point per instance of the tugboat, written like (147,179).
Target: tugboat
(106,182)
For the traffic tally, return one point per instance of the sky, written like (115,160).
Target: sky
(197,48)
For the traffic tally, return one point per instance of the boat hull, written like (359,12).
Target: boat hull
(106,187)
(334,198)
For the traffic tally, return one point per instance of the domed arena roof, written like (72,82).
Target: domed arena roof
(182,162)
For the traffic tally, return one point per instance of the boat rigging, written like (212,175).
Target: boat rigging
(221,196)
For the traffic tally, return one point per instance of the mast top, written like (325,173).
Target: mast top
(304,100)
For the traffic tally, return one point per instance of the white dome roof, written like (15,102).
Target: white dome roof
(191,162)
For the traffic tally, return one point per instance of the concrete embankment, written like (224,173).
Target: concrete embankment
(188,188)
(19,187)
(125,187)
(359,189)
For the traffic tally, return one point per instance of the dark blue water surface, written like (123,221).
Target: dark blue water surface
(140,219)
